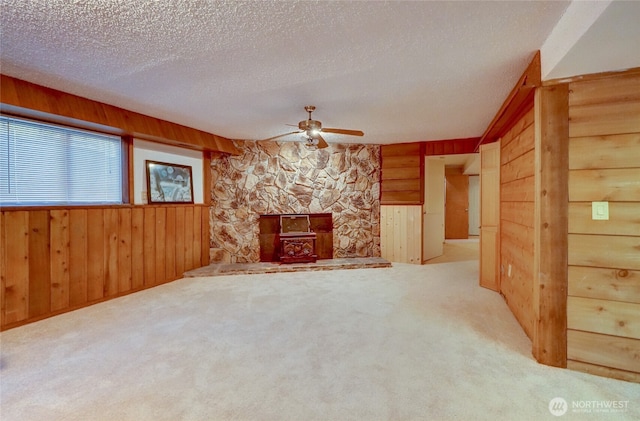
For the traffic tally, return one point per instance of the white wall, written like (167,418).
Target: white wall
(474,205)
(143,150)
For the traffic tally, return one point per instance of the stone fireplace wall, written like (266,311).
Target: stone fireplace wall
(272,177)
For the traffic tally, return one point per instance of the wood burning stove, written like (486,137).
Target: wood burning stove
(297,242)
(321,225)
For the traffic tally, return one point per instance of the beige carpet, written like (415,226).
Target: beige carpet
(403,343)
(458,251)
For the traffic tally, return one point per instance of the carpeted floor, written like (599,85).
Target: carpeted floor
(218,269)
(402,343)
(458,251)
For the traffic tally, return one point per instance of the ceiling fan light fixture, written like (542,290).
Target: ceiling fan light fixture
(311,131)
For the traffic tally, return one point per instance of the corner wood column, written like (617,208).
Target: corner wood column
(551,230)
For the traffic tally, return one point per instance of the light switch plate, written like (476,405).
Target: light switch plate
(600,211)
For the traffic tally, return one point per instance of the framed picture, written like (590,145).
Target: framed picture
(169,183)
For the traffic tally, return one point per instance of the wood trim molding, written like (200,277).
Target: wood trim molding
(127,187)
(21,98)
(592,76)
(518,102)
(423,147)
(207,180)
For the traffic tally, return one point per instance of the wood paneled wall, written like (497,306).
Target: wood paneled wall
(603,309)
(450,146)
(54,260)
(403,167)
(517,203)
(401,233)
(402,174)
(30,100)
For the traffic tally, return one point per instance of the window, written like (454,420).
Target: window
(44,164)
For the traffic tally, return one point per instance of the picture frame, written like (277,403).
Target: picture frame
(169,183)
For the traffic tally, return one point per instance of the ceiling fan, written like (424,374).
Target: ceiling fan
(311,129)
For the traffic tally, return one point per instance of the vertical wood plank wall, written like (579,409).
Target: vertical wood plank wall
(603,308)
(57,260)
(401,233)
(517,183)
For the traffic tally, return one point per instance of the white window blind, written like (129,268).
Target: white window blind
(43,164)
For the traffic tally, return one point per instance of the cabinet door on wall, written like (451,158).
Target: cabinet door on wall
(489,215)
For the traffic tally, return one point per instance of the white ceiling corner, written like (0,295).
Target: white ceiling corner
(575,21)
(609,41)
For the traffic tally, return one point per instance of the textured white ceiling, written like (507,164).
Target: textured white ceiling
(399,71)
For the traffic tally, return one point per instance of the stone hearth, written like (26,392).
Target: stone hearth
(220,269)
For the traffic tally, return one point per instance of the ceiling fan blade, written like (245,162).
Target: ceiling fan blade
(321,142)
(282,135)
(344,131)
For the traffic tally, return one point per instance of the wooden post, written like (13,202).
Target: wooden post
(551,232)
(206,177)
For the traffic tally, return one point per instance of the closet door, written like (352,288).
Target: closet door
(490,216)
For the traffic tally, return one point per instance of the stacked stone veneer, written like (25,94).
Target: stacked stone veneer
(285,177)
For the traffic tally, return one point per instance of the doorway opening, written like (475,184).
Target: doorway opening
(451,208)
(462,203)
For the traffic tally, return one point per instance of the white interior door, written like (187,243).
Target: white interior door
(474,205)
(433,210)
